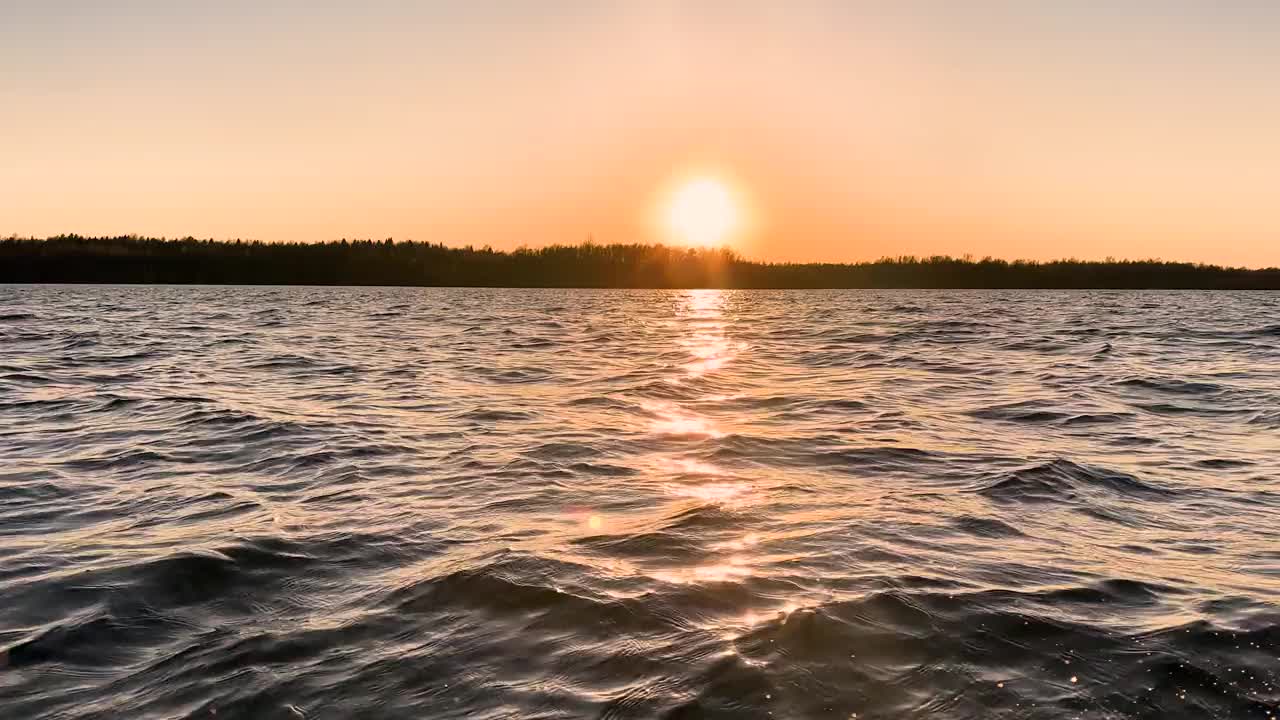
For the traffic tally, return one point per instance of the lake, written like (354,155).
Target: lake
(266,502)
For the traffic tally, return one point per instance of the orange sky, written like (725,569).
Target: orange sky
(855,130)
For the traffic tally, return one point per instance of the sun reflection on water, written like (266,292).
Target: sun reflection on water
(733,570)
(687,466)
(718,492)
(686,426)
(707,343)
(669,419)
(710,350)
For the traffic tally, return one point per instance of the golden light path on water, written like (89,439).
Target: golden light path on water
(700,315)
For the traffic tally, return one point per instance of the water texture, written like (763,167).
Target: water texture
(429,503)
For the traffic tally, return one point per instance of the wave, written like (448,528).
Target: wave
(1035,412)
(27,377)
(301,362)
(873,657)
(519,375)
(1025,411)
(484,415)
(116,359)
(1062,480)
(121,459)
(1173,386)
(1179,409)
(986,527)
(515,589)
(784,452)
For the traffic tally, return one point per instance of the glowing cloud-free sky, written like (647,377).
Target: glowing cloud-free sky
(849,130)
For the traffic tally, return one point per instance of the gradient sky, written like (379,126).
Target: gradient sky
(1131,128)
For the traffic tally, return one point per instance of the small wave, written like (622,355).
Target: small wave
(563,451)
(878,650)
(954,326)
(1172,386)
(534,344)
(602,470)
(100,641)
(254,564)
(20,493)
(299,362)
(80,340)
(1269,419)
(524,590)
(485,415)
(703,518)
(1223,464)
(1064,480)
(1176,409)
(1026,411)
(986,527)
(842,358)
(1034,412)
(805,452)
(668,546)
(1038,345)
(1097,418)
(512,375)
(27,377)
(124,459)
(604,402)
(198,577)
(860,338)
(116,359)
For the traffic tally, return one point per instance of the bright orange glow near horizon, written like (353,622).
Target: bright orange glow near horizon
(856,129)
(702,211)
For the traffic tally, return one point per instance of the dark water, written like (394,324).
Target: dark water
(404,503)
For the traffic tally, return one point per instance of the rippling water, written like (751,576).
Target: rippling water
(408,503)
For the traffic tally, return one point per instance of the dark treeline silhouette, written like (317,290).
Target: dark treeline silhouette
(131,259)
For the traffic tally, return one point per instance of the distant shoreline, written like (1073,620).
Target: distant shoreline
(130,260)
(903,288)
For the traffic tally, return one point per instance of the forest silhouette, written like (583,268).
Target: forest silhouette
(133,259)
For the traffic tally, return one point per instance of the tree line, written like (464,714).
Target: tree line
(133,259)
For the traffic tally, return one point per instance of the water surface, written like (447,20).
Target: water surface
(430,503)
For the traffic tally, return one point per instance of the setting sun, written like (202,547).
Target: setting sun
(702,211)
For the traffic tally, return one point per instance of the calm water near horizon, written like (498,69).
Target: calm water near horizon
(267,502)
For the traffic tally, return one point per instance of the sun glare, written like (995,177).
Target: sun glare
(702,211)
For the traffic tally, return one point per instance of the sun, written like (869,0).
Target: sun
(702,211)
